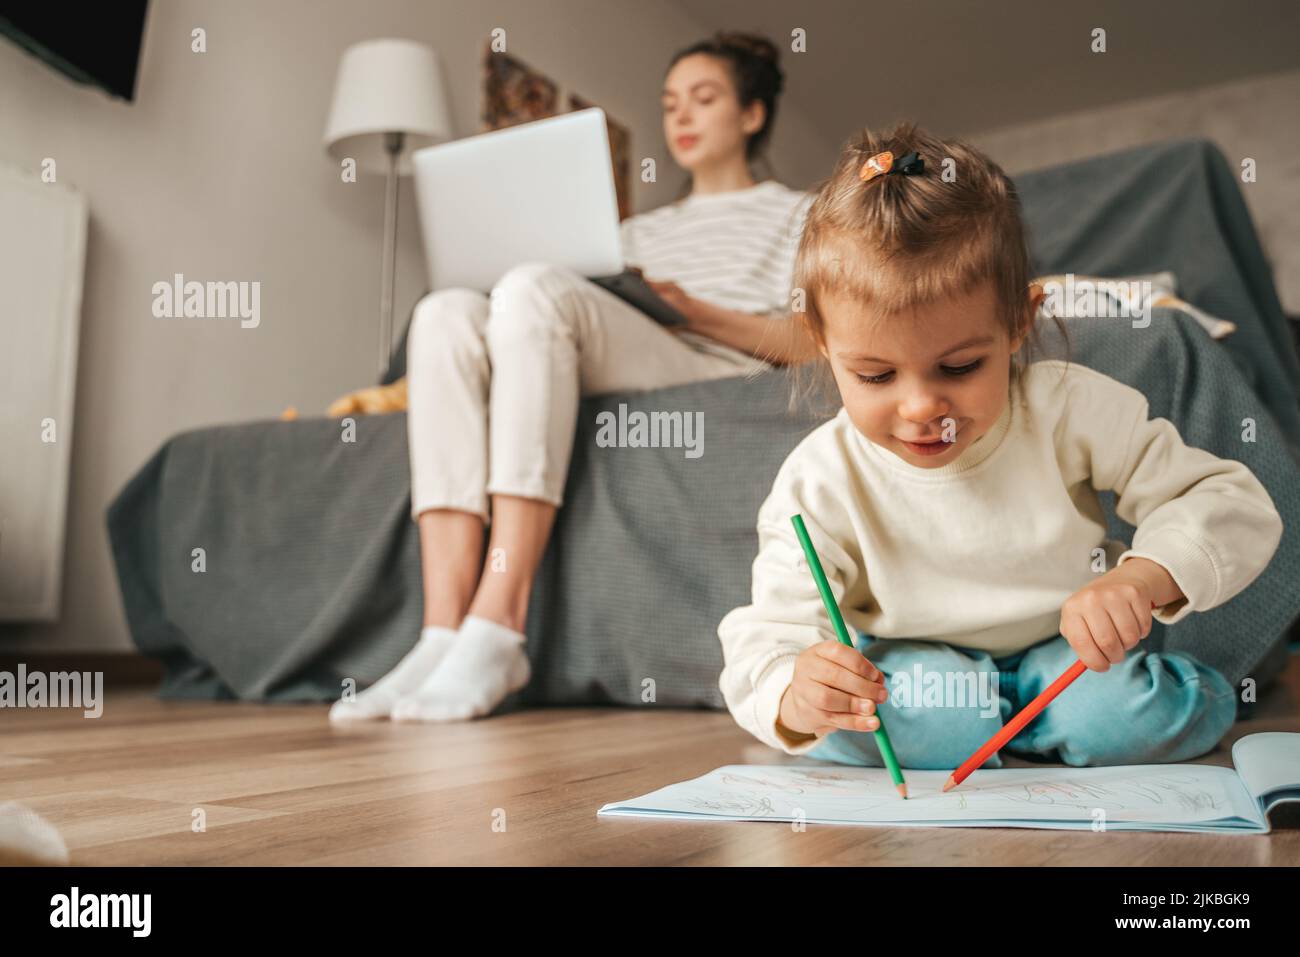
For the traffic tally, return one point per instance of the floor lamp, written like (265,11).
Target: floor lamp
(389,100)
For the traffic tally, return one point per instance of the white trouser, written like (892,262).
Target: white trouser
(494,381)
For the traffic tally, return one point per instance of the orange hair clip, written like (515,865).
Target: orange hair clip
(883,163)
(878,165)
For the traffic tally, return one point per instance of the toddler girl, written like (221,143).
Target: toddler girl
(953,503)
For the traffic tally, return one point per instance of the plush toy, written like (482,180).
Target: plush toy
(373,400)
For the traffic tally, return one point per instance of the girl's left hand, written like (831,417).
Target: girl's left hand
(671,293)
(1107,618)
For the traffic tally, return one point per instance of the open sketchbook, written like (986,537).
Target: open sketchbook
(1148,797)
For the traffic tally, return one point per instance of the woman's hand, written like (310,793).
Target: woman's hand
(777,340)
(1107,618)
(691,308)
(833,687)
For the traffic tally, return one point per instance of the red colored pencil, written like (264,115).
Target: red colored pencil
(1027,714)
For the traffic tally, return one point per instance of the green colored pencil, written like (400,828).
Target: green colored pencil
(841,632)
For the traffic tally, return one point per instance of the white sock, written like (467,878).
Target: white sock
(486,663)
(408,674)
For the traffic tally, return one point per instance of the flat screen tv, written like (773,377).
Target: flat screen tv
(96,43)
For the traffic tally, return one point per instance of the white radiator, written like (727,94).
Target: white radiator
(42,260)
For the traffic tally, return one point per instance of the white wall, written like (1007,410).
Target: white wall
(1257,118)
(217,171)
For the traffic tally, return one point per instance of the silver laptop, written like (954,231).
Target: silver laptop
(537,192)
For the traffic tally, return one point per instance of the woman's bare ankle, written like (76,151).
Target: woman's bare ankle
(451,622)
(513,615)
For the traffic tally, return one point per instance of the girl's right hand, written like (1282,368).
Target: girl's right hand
(834,687)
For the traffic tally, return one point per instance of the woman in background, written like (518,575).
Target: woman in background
(495,380)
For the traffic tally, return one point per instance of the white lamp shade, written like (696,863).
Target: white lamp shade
(387,86)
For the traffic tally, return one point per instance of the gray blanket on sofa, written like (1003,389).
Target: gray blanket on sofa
(312,564)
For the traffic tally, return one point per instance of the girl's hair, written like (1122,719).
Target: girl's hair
(899,240)
(755,73)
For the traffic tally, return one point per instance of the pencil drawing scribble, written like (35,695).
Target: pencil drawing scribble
(1151,794)
(739,805)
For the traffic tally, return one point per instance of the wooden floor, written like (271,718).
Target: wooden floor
(279,785)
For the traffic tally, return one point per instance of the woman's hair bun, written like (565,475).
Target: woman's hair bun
(751,43)
(759,47)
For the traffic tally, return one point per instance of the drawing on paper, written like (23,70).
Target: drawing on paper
(741,805)
(1149,794)
(753,780)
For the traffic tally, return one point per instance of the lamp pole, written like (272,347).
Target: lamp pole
(388,281)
